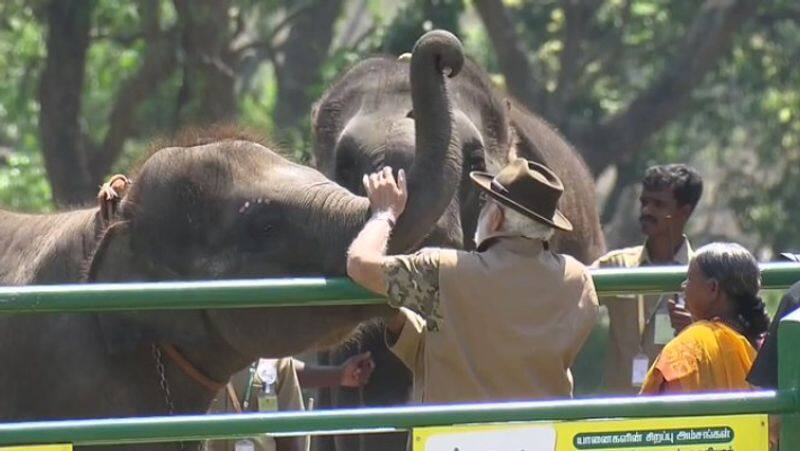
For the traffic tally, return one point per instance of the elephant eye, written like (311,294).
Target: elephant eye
(475,162)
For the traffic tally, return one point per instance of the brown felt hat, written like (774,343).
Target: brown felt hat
(528,188)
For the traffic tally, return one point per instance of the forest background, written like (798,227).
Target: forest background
(85,85)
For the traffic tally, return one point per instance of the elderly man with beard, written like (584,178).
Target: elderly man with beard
(502,323)
(640,326)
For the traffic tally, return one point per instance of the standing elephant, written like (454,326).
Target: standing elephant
(217,207)
(364,121)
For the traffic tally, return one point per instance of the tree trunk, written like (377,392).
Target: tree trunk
(511,54)
(304,51)
(158,63)
(207,94)
(60,89)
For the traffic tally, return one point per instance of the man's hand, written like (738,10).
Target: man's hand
(357,370)
(367,252)
(385,195)
(679,317)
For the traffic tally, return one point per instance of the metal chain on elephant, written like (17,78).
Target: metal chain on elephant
(163,383)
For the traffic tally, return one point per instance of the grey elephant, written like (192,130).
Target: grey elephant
(367,119)
(205,207)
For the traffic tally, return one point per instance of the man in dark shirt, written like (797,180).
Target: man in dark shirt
(764,372)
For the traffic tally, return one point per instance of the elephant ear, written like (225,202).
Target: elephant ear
(115,260)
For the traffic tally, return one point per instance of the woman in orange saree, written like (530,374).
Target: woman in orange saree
(716,351)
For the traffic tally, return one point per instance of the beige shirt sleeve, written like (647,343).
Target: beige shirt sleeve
(410,344)
(412,281)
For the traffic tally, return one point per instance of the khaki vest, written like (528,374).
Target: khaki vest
(513,319)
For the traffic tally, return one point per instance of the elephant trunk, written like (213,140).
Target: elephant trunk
(436,171)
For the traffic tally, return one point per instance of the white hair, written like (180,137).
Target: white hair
(519,224)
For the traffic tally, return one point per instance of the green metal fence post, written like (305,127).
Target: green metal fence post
(789,377)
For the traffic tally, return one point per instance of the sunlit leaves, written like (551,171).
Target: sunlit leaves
(23,185)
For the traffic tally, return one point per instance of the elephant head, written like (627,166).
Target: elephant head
(363,121)
(228,207)
(384,112)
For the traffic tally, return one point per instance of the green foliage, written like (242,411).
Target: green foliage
(23,185)
(21,56)
(743,121)
(418,16)
(749,112)
(257,107)
(113,56)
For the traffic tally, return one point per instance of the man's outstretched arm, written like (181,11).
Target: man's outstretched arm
(367,253)
(407,280)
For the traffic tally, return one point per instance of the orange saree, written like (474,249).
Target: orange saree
(706,356)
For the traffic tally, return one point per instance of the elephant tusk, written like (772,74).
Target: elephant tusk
(405,57)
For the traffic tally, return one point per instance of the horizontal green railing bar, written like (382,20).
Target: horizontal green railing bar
(200,427)
(665,279)
(301,292)
(184,295)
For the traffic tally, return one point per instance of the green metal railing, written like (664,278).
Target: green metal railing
(237,294)
(201,427)
(301,292)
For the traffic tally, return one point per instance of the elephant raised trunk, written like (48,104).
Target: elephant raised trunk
(438,160)
(436,170)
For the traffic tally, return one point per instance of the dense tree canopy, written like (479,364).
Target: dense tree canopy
(85,85)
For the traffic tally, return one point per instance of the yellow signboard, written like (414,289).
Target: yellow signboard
(718,433)
(37,448)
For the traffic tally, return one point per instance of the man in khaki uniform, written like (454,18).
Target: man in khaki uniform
(640,325)
(502,323)
(276,385)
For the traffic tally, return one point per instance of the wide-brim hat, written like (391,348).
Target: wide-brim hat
(528,188)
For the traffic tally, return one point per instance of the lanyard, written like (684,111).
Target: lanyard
(249,389)
(646,325)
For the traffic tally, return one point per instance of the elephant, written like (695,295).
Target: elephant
(360,124)
(213,204)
